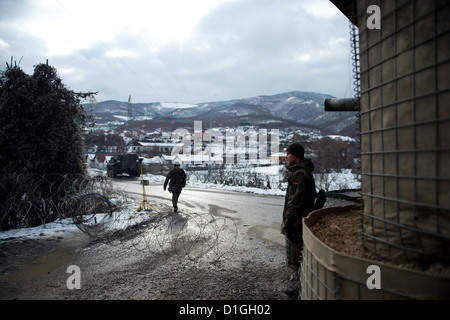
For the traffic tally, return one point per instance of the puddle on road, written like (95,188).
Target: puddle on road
(40,265)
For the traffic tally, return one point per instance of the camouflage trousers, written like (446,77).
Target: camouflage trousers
(293,255)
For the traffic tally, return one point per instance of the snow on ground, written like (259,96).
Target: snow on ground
(332,181)
(269,192)
(49,229)
(177,105)
(126,216)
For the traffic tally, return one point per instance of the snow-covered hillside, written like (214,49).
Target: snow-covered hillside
(296,108)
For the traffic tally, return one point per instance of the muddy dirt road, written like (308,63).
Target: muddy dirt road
(252,266)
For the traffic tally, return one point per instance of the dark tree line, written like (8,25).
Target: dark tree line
(41,127)
(103,141)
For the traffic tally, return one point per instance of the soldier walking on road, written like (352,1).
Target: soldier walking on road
(176,178)
(299,202)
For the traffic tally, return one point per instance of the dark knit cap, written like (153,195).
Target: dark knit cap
(296,149)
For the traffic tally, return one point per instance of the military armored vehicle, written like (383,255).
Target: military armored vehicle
(124,163)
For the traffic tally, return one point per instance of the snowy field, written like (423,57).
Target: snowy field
(272,180)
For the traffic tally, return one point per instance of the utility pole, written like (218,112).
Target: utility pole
(130,108)
(210,149)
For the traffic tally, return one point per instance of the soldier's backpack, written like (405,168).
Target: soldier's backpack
(321,199)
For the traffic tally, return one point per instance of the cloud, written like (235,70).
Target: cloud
(4,45)
(182,51)
(253,47)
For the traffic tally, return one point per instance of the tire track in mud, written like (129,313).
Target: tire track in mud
(173,265)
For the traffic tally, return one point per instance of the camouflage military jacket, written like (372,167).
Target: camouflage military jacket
(299,200)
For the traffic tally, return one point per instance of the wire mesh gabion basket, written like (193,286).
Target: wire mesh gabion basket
(404,103)
(330,274)
(404,67)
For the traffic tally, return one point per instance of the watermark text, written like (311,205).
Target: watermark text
(74,280)
(374,20)
(235,147)
(374,281)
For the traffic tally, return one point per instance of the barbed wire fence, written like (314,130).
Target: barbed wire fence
(107,214)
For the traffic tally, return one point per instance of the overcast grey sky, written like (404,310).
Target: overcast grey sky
(182,51)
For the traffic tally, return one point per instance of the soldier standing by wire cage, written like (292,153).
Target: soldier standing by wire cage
(299,201)
(176,178)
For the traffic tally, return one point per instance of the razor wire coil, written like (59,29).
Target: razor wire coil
(108,215)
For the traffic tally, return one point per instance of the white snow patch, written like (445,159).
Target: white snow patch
(177,105)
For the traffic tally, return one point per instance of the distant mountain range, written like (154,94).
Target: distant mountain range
(290,110)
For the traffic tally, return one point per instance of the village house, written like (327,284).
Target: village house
(91,148)
(98,161)
(192,160)
(166,159)
(151,148)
